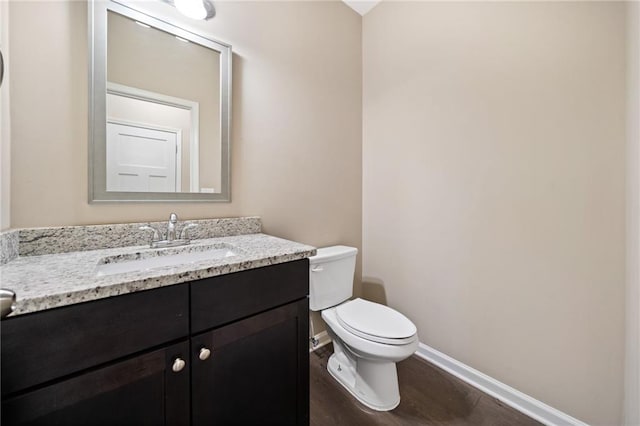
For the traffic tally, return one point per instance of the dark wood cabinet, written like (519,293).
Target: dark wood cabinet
(255,374)
(55,343)
(231,349)
(143,390)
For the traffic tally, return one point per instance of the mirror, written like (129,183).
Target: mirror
(159,110)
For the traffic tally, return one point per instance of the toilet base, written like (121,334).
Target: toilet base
(373,383)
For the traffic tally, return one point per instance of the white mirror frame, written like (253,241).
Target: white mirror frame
(98,108)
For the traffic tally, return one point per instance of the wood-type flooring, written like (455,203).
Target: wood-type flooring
(428,396)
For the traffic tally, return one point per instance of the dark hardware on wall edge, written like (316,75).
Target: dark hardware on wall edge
(1,68)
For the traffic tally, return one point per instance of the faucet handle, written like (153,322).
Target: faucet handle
(155,236)
(183,232)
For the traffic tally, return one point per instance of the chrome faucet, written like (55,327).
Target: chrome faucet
(171,227)
(155,237)
(170,236)
(183,232)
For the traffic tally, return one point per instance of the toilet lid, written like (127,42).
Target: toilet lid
(375,322)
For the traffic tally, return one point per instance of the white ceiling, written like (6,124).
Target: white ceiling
(362,6)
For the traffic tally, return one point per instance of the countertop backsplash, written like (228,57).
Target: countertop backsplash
(65,239)
(8,246)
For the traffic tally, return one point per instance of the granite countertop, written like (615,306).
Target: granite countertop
(55,280)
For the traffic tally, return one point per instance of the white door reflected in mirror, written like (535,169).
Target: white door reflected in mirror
(142,159)
(145,109)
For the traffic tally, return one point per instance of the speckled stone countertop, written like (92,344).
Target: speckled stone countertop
(55,280)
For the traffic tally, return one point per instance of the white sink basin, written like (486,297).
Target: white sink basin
(162,258)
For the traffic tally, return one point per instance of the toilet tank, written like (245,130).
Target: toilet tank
(331,276)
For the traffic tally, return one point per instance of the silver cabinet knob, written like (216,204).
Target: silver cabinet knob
(7,302)
(178,365)
(204,354)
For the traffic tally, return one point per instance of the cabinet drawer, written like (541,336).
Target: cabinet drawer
(47,345)
(220,300)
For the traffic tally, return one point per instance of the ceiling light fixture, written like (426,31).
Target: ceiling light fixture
(194,9)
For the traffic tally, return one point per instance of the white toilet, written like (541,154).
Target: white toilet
(368,338)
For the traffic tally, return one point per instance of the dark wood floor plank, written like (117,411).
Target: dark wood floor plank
(429,396)
(492,412)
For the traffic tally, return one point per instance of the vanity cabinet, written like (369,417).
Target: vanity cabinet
(231,349)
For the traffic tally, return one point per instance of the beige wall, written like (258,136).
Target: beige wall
(296,136)
(632,367)
(494,189)
(5,124)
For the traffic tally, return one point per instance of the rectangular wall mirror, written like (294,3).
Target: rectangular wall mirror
(159,119)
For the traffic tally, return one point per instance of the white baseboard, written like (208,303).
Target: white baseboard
(322,339)
(510,396)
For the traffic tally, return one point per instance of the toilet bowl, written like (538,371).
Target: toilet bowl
(368,338)
(365,366)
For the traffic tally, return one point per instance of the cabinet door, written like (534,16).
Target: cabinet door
(257,372)
(143,390)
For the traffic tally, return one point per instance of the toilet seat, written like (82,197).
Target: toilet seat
(375,322)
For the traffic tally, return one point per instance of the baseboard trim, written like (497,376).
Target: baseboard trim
(322,339)
(514,398)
